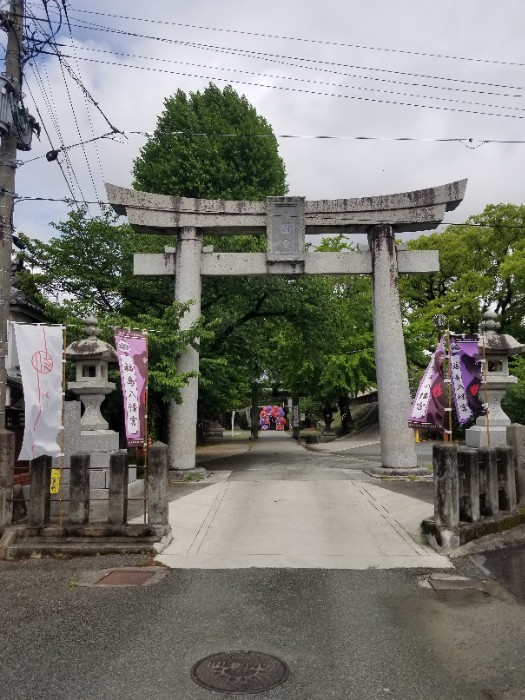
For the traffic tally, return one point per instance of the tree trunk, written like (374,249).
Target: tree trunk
(254,414)
(347,421)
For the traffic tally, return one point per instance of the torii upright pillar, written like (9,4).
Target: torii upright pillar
(183,416)
(397,444)
(285,220)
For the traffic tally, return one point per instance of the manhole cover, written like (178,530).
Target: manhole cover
(240,672)
(125,576)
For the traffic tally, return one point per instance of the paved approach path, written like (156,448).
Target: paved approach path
(281,506)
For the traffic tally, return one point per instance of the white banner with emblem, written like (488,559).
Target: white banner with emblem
(40,351)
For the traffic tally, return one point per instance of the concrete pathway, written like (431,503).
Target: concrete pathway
(288,508)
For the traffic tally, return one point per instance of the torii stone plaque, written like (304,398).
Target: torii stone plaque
(286,220)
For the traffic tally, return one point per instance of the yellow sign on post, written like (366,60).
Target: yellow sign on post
(55,481)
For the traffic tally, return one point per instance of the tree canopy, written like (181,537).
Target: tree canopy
(211,145)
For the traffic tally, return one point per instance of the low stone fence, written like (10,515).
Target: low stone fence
(476,491)
(76,535)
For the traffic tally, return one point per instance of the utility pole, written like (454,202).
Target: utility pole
(13,23)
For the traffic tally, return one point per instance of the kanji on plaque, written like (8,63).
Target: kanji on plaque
(132,352)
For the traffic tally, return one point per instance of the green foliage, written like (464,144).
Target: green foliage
(482,266)
(325,351)
(89,267)
(514,402)
(211,145)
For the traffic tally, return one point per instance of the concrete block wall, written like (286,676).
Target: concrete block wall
(83,493)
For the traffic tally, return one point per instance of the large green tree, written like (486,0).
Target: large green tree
(211,145)
(214,145)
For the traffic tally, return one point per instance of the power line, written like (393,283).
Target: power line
(55,123)
(312,68)
(311,92)
(50,155)
(468,142)
(86,94)
(303,39)
(75,119)
(261,55)
(49,139)
(311,82)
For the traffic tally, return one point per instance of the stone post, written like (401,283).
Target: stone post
(488,467)
(254,412)
(39,504)
(446,487)
(118,488)
(296,417)
(158,484)
(7,464)
(188,287)
(506,479)
(397,440)
(79,489)
(516,440)
(468,468)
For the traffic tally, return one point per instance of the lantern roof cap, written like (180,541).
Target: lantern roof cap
(92,347)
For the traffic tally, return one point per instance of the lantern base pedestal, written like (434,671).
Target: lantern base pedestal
(477,436)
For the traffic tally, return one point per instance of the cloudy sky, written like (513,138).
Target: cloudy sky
(387,69)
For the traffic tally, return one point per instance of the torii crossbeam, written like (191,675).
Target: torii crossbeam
(286,220)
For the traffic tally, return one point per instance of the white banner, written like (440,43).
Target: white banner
(40,353)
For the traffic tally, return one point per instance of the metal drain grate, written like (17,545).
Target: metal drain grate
(125,576)
(240,672)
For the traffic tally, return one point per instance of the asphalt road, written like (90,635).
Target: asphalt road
(363,635)
(345,634)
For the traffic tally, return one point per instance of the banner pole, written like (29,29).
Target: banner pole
(449,360)
(486,391)
(63,440)
(145,495)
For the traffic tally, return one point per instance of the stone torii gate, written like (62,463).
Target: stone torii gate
(285,220)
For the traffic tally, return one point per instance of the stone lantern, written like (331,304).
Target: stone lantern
(496,348)
(91,357)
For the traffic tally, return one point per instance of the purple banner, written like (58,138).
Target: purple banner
(132,351)
(428,407)
(465,375)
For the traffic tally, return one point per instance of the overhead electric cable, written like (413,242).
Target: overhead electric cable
(261,55)
(324,42)
(468,142)
(320,82)
(56,125)
(312,68)
(310,92)
(49,139)
(87,96)
(75,119)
